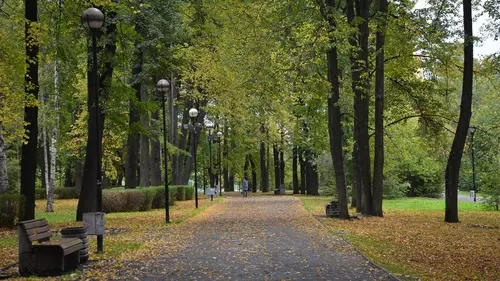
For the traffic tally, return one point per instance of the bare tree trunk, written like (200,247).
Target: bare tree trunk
(4,179)
(334,118)
(155,160)
(282,166)
(455,158)
(378,167)
(254,175)
(303,180)
(363,110)
(311,174)
(357,183)
(53,142)
(134,119)
(31,86)
(144,142)
(78,176)
(295,176)
(263,187)
(277,174)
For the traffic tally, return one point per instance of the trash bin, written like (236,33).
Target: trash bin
(78,232)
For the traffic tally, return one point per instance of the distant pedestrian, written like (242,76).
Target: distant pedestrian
(245,186)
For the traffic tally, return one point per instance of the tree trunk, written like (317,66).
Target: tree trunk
(155,160)
(4,179)
(311,174)
(357,183)
(334,120)
(263,168)
(277,174)
(45,148)
(28,154)
(226,167)
(254,175)
(134,121)
(378,165)
(68,176)
(303,181)
(89,192)
(363,108)
(455,158)
(144,142)
(295,176)
(231,182)
(53,142)
(78,176)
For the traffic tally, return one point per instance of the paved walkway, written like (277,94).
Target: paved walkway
(259,238)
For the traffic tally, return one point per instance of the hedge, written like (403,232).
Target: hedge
(9,208)
(143,198)
(65,193)
(40,193)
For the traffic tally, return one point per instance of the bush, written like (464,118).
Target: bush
(134,200)
(159,197)
(40,193)
(394,189)
(178,192)
(189,192)
(65,193)
(10,206)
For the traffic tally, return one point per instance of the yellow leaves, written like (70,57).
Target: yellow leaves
(419,243)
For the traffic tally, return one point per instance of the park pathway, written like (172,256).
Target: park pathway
(258,238)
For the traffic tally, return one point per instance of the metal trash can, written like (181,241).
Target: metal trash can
(78,232)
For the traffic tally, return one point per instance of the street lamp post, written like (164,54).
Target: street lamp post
(93,20)
(219,137)
(209,125)
(193,112)
(472,130)
(163,87)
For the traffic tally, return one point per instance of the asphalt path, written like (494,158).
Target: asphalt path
(258,238)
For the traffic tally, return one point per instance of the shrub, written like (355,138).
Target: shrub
(135,200)
(40,193)
(189,192)
(159,197)
(66,193)
(394,189)
(178,192)
(10,206)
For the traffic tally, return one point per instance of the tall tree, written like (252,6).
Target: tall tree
(144,142)
(455,157)
(334,115)
(29,148)
(155,157)
(378,166)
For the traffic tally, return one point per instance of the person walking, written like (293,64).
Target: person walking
(245,186)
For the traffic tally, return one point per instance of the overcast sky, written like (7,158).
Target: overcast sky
(487,47)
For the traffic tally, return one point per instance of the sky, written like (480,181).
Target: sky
(488,46)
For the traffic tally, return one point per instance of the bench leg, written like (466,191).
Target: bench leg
(72,261)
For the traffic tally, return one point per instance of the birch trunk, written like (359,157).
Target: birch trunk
(53,149)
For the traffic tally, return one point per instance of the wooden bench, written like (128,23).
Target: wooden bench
(42,256)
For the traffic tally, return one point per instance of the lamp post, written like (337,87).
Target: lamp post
(163,86)
(193,112)
(219,137)
(93,20)
(472,129)
(210,125)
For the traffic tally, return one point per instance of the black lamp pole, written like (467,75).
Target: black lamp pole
(93,20)
(193,112)
(162,86)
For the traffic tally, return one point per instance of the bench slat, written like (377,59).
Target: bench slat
(38,230)
(34,224)
(68,242)
(74,248)
(40,236)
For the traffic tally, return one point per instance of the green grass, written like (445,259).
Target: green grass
(429,204)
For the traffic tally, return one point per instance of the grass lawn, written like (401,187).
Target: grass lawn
(128,235)
(413,241)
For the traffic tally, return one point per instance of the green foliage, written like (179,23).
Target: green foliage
(9,209)
(394,189)
(65,193)
(189,192)
(40,193)
(159,197)
(178,192)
